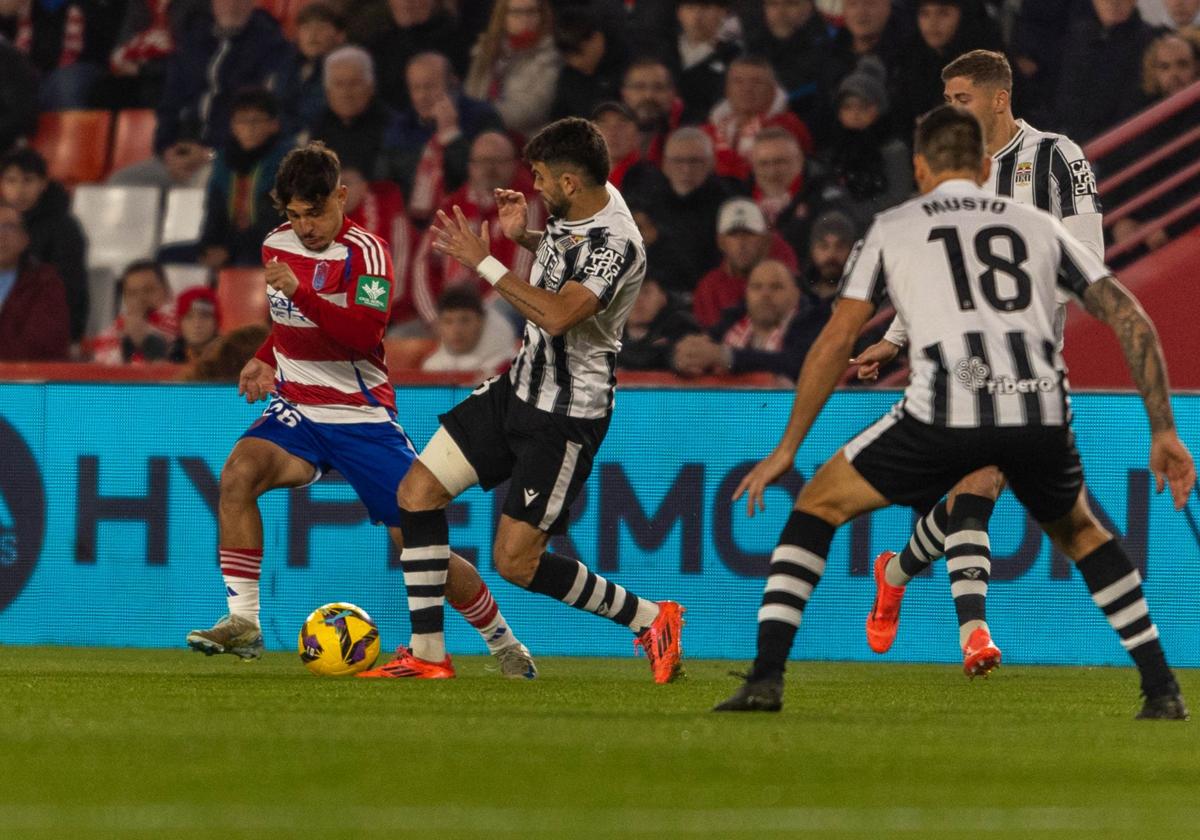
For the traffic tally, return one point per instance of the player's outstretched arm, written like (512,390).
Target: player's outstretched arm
(1170,460)
(823,367)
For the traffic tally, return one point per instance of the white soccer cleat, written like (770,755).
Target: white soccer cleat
(234,634)
(516,663)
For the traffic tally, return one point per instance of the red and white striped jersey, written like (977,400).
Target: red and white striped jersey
(326,342)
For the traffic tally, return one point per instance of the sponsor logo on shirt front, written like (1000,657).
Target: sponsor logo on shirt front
(974,375)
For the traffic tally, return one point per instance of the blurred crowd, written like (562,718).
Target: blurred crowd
(753,140)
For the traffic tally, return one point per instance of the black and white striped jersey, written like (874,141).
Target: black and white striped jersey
(975,277)
(1047,171)
(575,373)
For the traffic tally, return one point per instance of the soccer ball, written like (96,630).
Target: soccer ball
(338,640)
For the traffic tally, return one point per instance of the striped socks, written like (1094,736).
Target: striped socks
(482,613)
(240,569)
(425,561)
(925,546)
(969,561)
(796,567)
(573,583)
(1116,588)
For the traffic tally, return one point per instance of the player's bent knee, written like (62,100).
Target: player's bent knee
(420,490)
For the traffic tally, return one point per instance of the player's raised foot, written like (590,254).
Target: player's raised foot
(515,662)
(404,664)
(1164,707)
(662,643)
(884,618)
(233,634)
(980,655)
(763,695)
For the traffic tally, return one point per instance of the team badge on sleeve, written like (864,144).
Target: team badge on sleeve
(1084,180)
(372,292)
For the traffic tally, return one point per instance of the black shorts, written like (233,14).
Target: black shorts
(547,456)
(914,464)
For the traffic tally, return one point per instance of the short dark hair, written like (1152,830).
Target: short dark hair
(314,12)
(985,68)
(647,60)
(460,297)
(255,99)
(950,139)
(573,26)
(310,173)
(571,142)
(753,60)
(26,160)
(144,265)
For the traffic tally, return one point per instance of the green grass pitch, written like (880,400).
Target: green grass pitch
(169,744)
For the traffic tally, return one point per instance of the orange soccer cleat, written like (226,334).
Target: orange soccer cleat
(661,641)
(406,665)
(884,620)
(980,655)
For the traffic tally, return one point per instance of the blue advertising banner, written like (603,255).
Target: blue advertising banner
(108,535)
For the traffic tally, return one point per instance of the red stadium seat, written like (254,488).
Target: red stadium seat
(408,353)
(133,139)
(242,294)
(75,144)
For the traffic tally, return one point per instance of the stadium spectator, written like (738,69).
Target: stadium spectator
(238,47)
(1173,14)
(427,146)
(684,207)
(1169,65)
(67,44)
(55,235)
(789,188)
(629,172)
(145,328)
(378,206)
(354,120)
(470,338)
(320,29)
(185,163)
(873,166)
(1102,52)
(643,25)
(238,212)
(833,237)
(649,92)
(700,55)
(198,314)
(591,71)
(744,241)
(493,165)
(137,65)
(870,28)
(770,331)
(225,358)
(793,37)
(1038,32)
(35,323)
(945,30)
(411,27)
(653,329)
(18,97)
(753,101)
(514,64)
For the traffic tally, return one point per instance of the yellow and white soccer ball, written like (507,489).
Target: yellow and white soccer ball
(338,640)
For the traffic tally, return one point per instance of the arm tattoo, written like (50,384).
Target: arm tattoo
(1112,303)
(521,297)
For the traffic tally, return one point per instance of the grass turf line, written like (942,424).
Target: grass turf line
(129,743)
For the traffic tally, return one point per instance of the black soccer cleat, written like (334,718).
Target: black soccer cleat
(765,695)
(1164,707)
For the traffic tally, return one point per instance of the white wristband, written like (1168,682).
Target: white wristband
(491,270)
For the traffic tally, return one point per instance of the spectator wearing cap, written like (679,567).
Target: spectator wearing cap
(35,322)
(515,66)
(793,36)
(653,329)
(145,328)
(864,157)
(55,235)
(354,120)
(493,165)
(235,47)
(833,237)
(198,315)
(700,56)
(187,162)
(591,71)
(427,146)
(238,210)
(648,90)
(409,27)
(629,172)
(470,338)
(753,101)
(769,331)
(789,187)
(744,241)
(320,29)
(18,97)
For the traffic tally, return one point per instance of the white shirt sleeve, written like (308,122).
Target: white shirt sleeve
(897,331)
(865,277)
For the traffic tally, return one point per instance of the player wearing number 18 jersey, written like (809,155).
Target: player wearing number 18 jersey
(975,277)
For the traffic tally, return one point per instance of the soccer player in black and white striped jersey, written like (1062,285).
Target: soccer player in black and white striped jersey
(975,276)
(1033,167)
